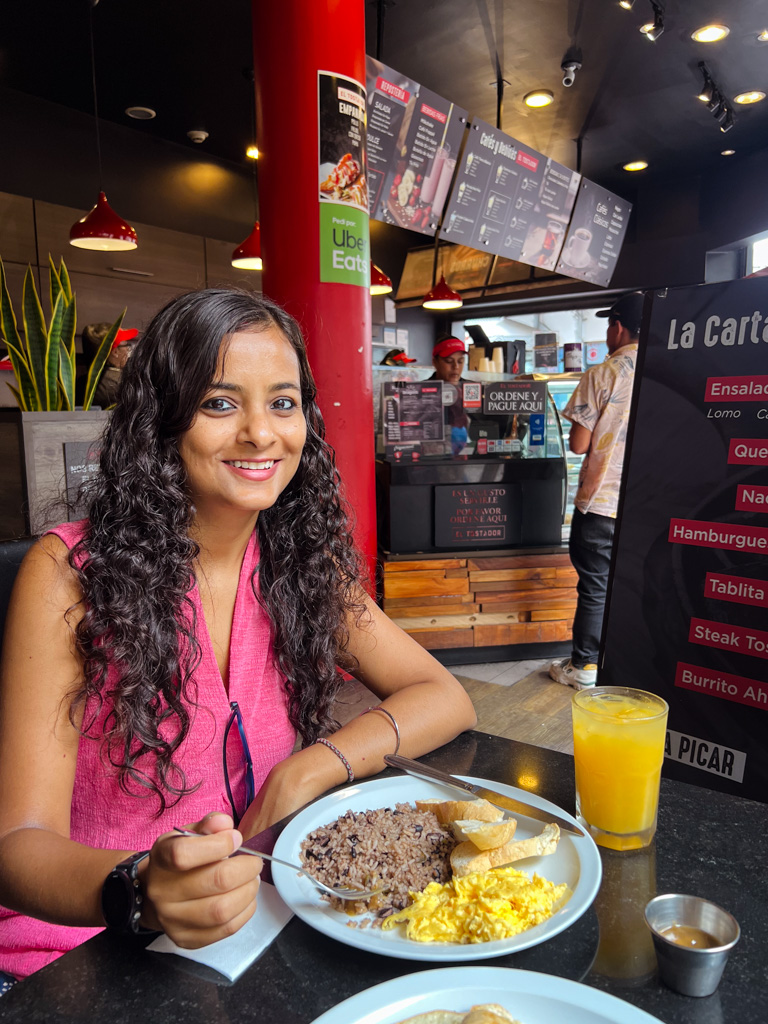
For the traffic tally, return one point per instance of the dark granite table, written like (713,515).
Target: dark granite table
(708,844)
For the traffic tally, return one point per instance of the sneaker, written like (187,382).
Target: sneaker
(563,671)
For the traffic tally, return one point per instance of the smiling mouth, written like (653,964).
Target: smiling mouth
(239,464)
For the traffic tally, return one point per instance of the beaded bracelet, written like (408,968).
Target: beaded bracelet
(338,753)
(391,717)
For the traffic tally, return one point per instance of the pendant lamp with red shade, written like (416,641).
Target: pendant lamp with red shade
(247,255)
(101,228)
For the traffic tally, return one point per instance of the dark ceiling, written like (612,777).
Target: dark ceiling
(633,99)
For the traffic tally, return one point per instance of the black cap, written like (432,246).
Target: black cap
(628,310)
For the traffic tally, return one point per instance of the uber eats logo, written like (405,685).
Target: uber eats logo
(344,245)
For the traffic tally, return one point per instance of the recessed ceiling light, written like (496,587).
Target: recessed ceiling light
(710,33)
(626,4)
(762,37)
(141,113)
(538,98)
(749,97)
(636,165)
(252,152)
(727,152)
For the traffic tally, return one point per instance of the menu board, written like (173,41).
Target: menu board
(412,412)
(509,199)
(596,234)
(413,137)
(687,609)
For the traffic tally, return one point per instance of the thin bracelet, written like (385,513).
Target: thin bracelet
(391,717)
(338,753)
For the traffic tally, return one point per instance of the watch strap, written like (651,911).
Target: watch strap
(126,873)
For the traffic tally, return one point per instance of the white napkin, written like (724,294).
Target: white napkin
(232,955)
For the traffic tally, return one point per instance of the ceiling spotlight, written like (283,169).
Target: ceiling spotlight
(636,165)
(719,109)
(710,34)
(252,152)
(570,64)
(707,93)
(141,113)
(627,4)
(727,123)
(749,97)
(652,30)
(197,136)
(727,152)
(538,98)
(762,37)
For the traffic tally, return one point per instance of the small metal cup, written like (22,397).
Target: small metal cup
(691,970)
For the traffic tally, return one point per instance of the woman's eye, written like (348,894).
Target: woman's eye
(284,404)
(218,405)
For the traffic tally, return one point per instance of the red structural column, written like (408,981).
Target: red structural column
(293,40)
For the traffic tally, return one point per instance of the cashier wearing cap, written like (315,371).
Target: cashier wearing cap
(448,358)
(599,411)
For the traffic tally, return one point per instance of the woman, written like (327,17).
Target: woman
(201,609)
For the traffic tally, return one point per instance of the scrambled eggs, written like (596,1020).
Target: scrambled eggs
(480,907)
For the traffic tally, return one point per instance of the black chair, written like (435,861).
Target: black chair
(11,554)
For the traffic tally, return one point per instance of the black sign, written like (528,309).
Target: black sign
(483,514)
(689,595)
(509,199)
(506,398)
(414,137)
(595,236)
(412,412)
(81,463)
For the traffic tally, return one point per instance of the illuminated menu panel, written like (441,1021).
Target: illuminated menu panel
(596,234)
(413,138)
(510,200)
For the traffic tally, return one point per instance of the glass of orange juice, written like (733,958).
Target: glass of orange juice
(618,748)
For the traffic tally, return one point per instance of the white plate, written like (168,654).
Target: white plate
(530,997)
(576,861)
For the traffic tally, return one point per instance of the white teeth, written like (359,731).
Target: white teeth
(253,465)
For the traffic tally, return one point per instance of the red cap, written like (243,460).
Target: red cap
(127,334)
(447,347)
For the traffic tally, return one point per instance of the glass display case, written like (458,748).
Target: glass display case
(560,387)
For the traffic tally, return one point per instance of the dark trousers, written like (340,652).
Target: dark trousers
(590,550)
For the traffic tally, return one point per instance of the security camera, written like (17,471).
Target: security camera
(570,65)
(197,136)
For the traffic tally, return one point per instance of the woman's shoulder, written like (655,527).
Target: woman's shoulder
(69,533)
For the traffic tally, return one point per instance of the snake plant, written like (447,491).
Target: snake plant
(44,362)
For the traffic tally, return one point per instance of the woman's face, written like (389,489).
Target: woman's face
(245,443)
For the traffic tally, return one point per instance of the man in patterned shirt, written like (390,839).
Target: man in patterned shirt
(599,411)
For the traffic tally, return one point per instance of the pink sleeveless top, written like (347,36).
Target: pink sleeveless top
(104,816)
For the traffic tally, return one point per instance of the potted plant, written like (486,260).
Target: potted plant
(53,437)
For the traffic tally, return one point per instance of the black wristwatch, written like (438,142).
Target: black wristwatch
(121,896)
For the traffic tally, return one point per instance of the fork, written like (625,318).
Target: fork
(341,892)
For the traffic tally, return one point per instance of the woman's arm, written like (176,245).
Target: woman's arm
(430,706)
(43,873)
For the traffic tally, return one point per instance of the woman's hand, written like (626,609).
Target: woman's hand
(194,890)
(291,784)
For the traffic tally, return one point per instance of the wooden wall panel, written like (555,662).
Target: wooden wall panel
(520,599)
(443,638)
(422,584)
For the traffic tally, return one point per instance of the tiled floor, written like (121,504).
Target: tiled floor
(502,673)
(516,699)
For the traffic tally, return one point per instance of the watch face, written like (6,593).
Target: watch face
(117,899)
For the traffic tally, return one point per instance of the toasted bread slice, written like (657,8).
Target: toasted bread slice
(489,1013)
(486,835)
(435,1017)
(466,858)
(447,811)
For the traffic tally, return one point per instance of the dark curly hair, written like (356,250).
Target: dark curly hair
(135,563)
